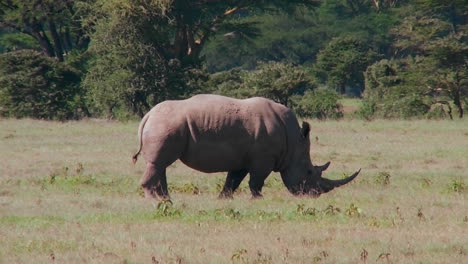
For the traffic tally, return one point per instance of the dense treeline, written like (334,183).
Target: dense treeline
(63,59)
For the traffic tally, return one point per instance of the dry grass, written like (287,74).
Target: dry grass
(69,194)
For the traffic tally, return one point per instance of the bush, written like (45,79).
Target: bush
(321,104)
(33,85)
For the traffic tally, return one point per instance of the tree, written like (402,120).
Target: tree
(53,24)
(342,63)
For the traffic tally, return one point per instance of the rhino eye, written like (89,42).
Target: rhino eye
(309,171)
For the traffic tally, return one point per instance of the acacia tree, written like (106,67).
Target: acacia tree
(53,24)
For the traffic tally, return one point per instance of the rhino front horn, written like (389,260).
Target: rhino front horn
(327,185)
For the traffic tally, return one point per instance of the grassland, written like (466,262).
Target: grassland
(69,194)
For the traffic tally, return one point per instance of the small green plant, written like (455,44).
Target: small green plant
(302,210)
(189,188)
(331,210)
(165,208)
(457,186)
(373,222)
(353,211)
(62,176)
(228,213)
(263,215)
(382,178)
(240,256)
(262,258)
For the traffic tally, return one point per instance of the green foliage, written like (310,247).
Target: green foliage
(342,62)
(32,85)
(144,52)
(320,103)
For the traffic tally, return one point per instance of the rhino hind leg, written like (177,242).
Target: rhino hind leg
(233,180)
(154,182)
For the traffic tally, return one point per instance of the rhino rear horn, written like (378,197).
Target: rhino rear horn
(323,167)
(327,185)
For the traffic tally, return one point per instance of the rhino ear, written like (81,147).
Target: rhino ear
(305,129)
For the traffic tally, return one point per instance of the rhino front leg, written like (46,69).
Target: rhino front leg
(154,182)
(233,180)
(256,182)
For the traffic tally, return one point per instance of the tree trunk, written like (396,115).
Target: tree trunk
(180,42)
(44,42)
(457,102)
(56,39)
(342,88)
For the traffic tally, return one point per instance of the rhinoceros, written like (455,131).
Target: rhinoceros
(212,133)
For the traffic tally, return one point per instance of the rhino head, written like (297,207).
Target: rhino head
(303,178)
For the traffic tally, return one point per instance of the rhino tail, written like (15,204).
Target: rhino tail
(140,134)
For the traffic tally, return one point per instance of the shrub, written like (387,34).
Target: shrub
(33,85)
(321,104)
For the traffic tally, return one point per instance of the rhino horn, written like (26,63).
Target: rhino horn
(327,185)
(323,167)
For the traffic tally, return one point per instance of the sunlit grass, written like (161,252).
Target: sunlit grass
(69,193)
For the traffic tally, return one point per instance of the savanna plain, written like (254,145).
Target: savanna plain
(69,193)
